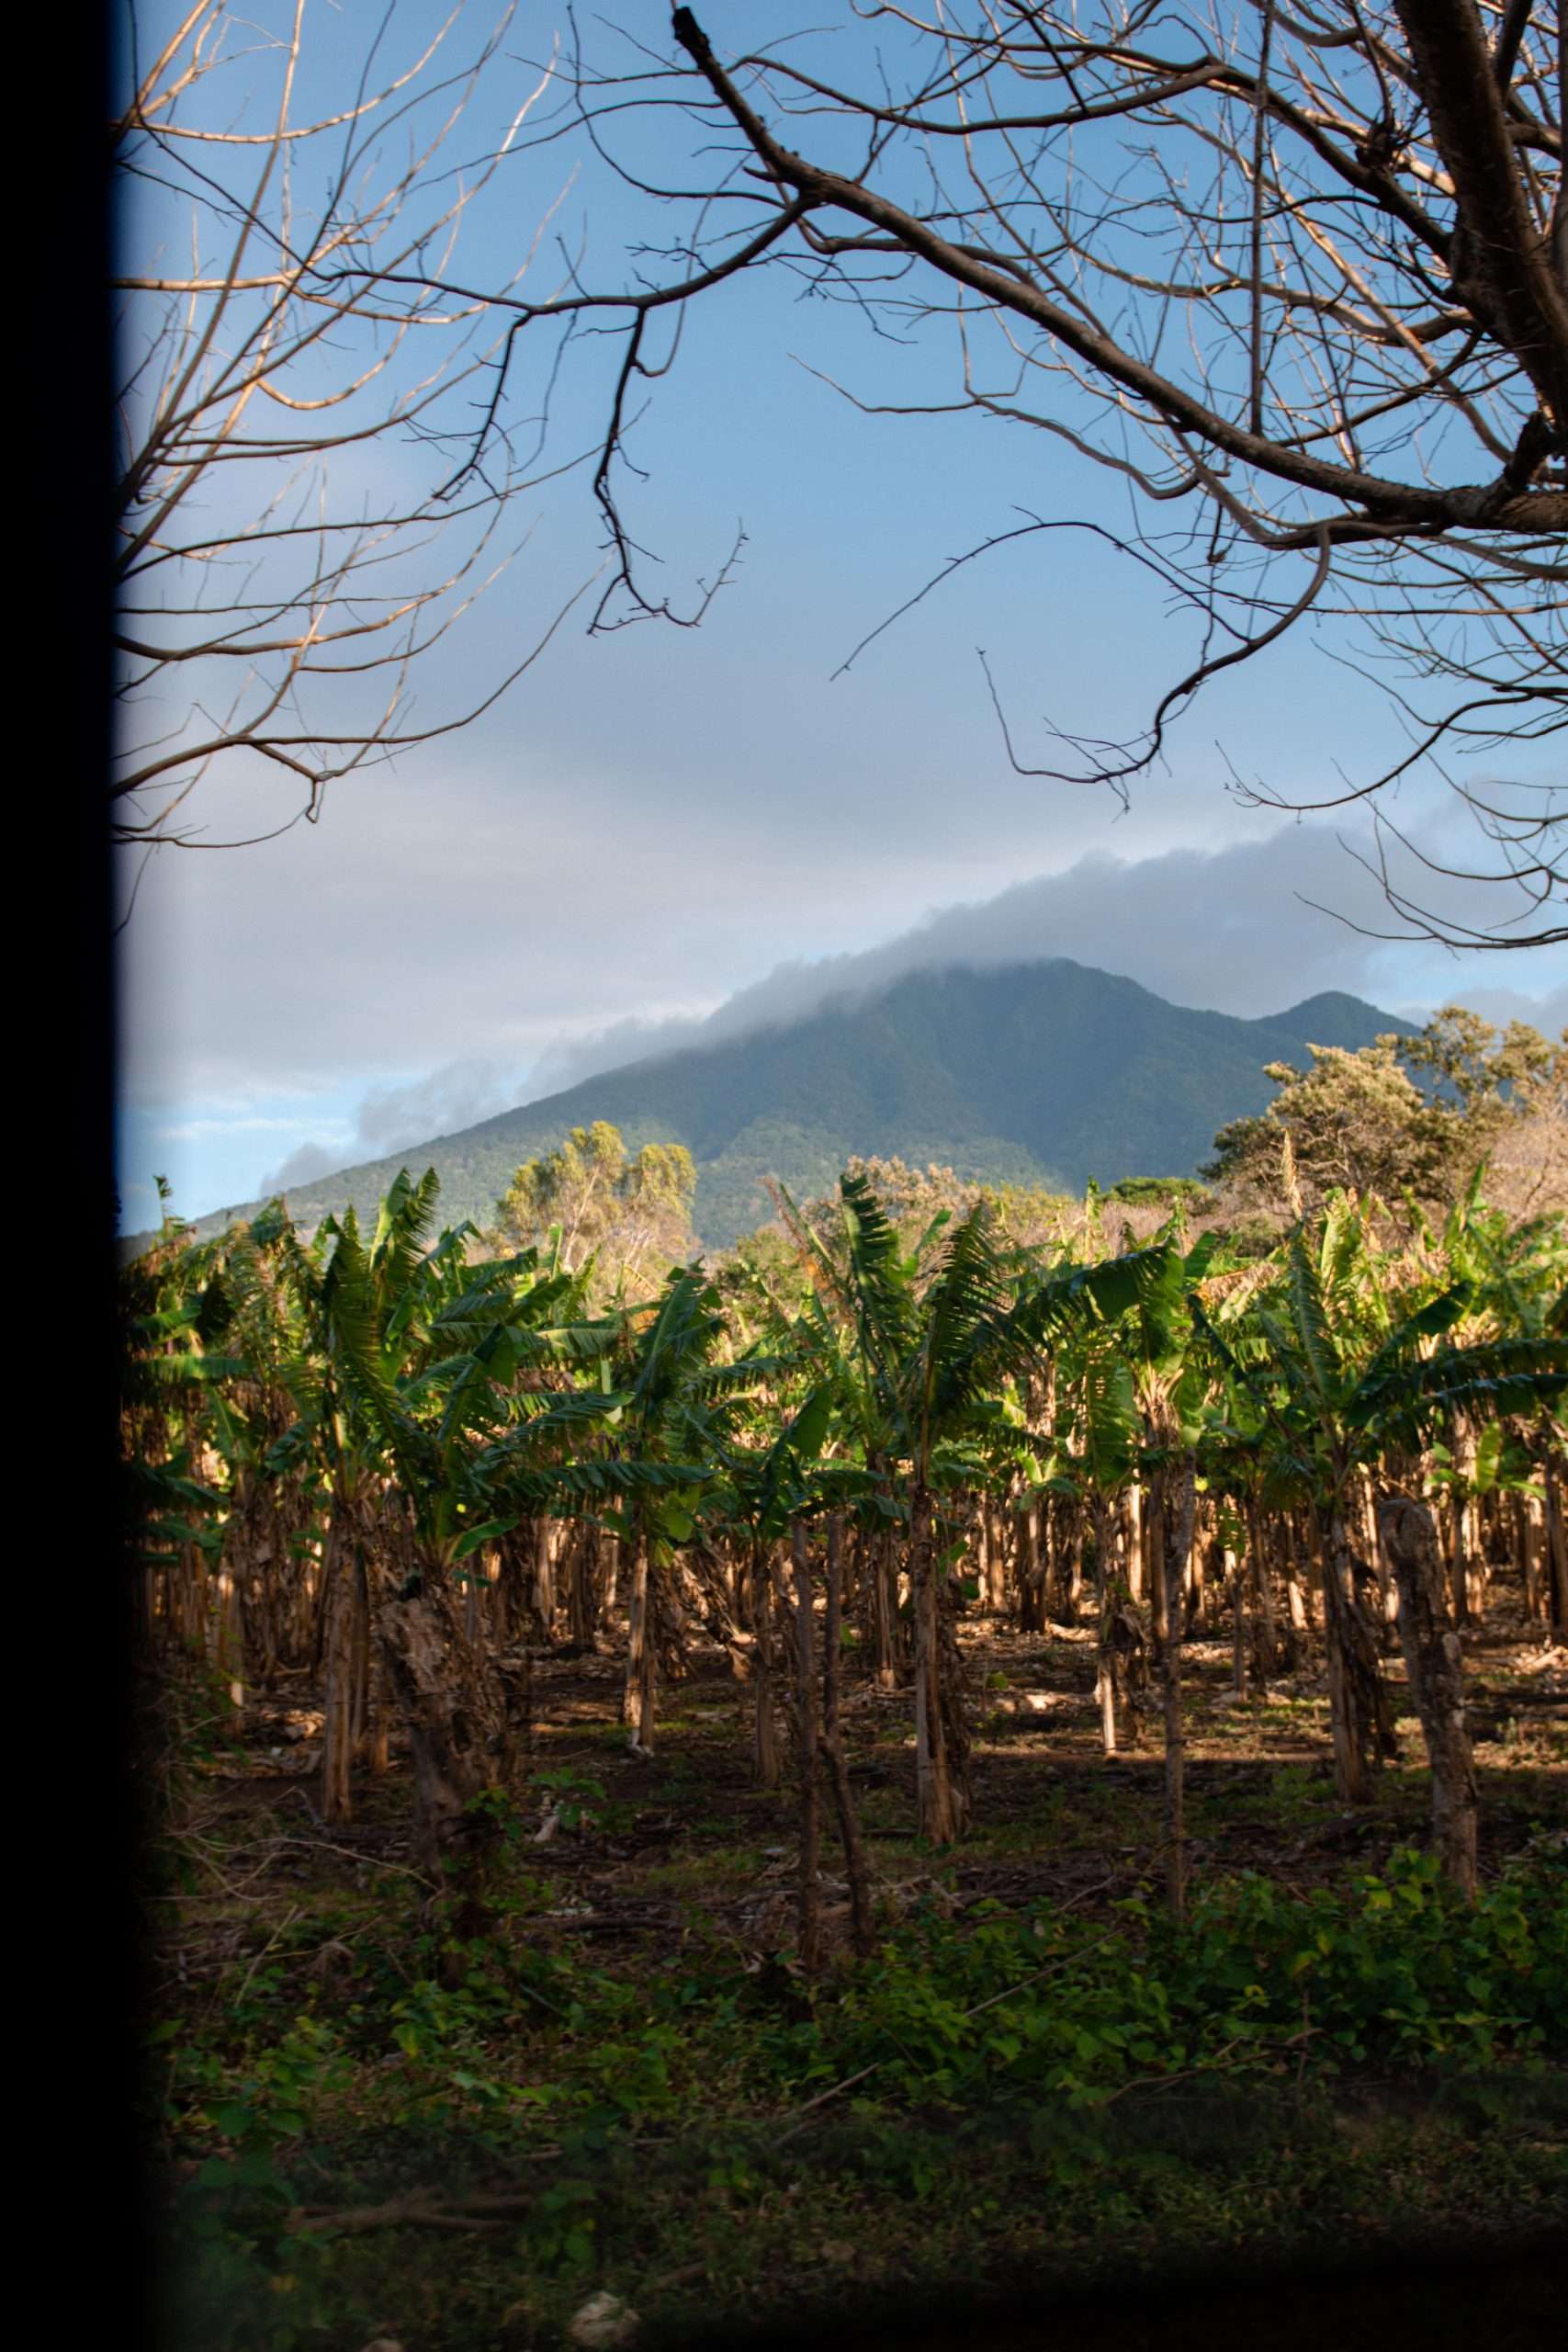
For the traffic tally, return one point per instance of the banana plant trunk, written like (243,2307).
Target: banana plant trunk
(1168,1564)
(833,1749)
(1132,1539)
(463,1718)
(1460,1515)
(543,1596)
(1556,1535)
(805,1706)
(1032,1580)
(885,1607)
(251,1547)
(1357,1701)
(1236,1581)
(510,1588)
(642,1647)
(1105,1599)
(1434,1665)
(764,1721)
(583,1587)
(1265,1639)
(341,1594)
(941,1737)
(1351,1763)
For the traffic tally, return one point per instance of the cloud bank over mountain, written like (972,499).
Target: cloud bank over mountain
(1238,930)
(391,1118)
(1237,927)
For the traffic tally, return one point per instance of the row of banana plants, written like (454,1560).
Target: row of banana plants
(401,1466)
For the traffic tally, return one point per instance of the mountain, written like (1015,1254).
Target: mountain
(1044,1074)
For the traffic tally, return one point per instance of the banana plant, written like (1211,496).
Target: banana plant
(408,1369)
(1343,1383)
(760,1492)
(680,1402)
(1146,1409)
(175,1370)
(934,1335)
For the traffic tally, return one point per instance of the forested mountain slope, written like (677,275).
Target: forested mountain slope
(1047,1073)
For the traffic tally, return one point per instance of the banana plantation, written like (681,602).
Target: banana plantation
(408,1470)
(402,1490)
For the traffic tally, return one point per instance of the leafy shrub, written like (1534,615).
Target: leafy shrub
(1394,1971)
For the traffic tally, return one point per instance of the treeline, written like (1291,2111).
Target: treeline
(1407,1118)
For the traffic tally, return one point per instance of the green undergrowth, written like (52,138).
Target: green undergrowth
(716,2230)
(704,2131)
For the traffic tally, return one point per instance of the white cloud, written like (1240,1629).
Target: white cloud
(389,1117)
(303,1165)
(1548,1012)
(459,1094)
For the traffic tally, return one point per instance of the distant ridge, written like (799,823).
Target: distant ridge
(1042,1073)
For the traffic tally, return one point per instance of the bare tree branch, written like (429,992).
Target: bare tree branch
(293,394)
(1297,276)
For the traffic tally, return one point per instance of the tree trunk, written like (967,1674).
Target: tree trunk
(1434,1665)
(250,1551)
(378,1741)
(230,1638)
(194,1603)
(1055,1533)
(511,1589)
(1501,263)
(1075,1573)
(1295,1595)
(359,1715)
(994,1554)
(951,1688)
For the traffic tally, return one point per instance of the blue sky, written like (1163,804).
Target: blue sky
(655,820)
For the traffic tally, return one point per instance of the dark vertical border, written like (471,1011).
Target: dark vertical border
(74,1914)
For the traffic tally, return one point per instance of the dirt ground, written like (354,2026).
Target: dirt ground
(642,1849)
